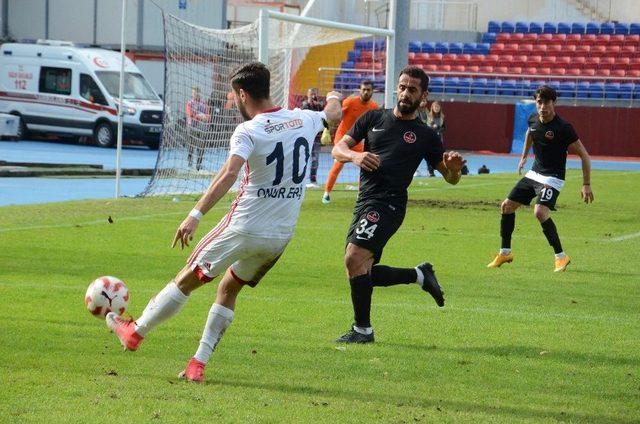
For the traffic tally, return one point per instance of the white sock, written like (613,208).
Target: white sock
(363,330)
(163,306)
(218,321)
(326,193)
(504,251)
(560,255)
(420,276)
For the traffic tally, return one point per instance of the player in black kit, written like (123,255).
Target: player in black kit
(551,137)
(395,142)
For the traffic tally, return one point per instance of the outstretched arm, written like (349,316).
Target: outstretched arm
(528,141)
(219,186)
(577,148)
(342,153)
(451,167)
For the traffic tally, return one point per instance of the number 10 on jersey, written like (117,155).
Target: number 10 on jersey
(278,156)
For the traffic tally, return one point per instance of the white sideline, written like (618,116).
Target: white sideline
(626,237)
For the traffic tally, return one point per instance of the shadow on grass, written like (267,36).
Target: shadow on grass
(528,352)
(411,401)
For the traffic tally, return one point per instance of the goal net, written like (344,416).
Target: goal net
(199,111)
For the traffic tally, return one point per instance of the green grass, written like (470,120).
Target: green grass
(518,344)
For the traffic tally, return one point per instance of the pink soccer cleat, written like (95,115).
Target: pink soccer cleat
(194,371)
(125,330)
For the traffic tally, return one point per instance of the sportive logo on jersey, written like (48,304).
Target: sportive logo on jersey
(409,137)
(281,126)
(373,216)
(549,135)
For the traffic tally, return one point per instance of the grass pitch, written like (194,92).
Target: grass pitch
(517,344)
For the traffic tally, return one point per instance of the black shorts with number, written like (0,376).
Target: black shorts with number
(373,225)
(527,189)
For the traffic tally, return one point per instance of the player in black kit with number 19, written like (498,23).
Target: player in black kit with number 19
(551,137)
(395,143)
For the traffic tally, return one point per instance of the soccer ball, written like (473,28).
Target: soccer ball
(106,294)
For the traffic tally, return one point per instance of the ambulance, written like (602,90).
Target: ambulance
(57,87)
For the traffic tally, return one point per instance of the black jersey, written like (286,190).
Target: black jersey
(550,143)
(401,146)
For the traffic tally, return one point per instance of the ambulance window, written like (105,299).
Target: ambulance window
(55,80)
(90,90)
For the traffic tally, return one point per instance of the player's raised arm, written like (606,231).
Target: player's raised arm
(219,186)
(451,167)
(333,108)
(528,142)
(577,148)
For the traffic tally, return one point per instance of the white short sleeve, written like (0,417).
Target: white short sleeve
(241,143)
(317,118)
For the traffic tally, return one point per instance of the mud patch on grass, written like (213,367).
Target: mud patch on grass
(455,204)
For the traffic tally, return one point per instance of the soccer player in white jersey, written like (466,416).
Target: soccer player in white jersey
(273,146)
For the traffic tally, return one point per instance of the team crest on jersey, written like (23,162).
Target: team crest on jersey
(409,137)
(549,135)
(373,216)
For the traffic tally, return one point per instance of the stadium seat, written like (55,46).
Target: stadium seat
(534,59)
(535,27)
(619,73)
(603,72)
(525,48)
(564,28)
(607,28)
(483,48)
(592,62)
(486,69)
(609,51)
(522,27)
(530,38)
(436,84)
(588,39)
(451,84)
(508,27)
(592,28)
(574,72)
(530,70)
(510,48)
(563,60)
(470,48)
(494,26)
(574,38)
(415,46)
(576,28)
(479,86)
(596,90)
(431,67)
(621,63)
(442,48)
(582,89)
(633,73)
(515,70)
(567,89)
(348,64)
(458,68)
(588,72)
(546,38)
(444,68)
(549,61)
(603,39)
(455,48)
(540,48)
(464,85)
(634,29)
(503,37)
(473,68)
(626,90)
(554,49)
(489,37)
(608,62)
(557,71)
(617,40)
(621,28)
(549,28)
(428,47)
(449,58)
(501,69)
(583,50)
(506,87)
(544,71)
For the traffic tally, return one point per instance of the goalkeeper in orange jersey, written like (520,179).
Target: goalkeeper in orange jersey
(352,108)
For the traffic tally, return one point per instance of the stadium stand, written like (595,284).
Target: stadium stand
(514,58)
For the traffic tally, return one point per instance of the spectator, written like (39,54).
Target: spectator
(312,102)
(434,118)
(198,121)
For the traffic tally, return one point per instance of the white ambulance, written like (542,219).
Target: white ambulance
(59,88)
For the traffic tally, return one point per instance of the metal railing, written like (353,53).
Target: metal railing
(444,15)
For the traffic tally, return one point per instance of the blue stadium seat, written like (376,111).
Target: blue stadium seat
(348,65)
(607,28)
(491,87)
(582,89)
(576,28)
(554,84)
(549,28)
(494,26)
(626,90)
(567,89)
(352,56)
(428,47)
(436,85)
(380,45)
(508,27)
(483,48)
(522,27)
(535,28)
(564,28)
(479,86)
(455,48)
(451,85)
(360,44)
(507,87)
(415,46)
(593,28)
(634,28)
(596,90)
(469,48)
(489,37)
(611,90)
(464,85)
(622,28)
(523,88)
(442,48)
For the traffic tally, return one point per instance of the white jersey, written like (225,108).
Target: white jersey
(276,145)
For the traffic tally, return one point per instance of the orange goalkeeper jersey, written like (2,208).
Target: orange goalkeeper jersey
(352,109)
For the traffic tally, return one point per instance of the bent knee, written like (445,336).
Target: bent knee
(508,206)
(541,214)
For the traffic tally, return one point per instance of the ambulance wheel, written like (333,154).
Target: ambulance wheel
(104,135)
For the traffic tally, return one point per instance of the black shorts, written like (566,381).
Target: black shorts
(373,225)
(527,189)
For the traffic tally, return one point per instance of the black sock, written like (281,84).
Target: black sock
(550,231)
(361,290)
(507,224)
(384,276)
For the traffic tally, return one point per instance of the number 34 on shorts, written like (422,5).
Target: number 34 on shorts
(365,230)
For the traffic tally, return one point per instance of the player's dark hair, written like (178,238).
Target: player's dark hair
(545,93)
(254,78)
(366,82)
(416,72)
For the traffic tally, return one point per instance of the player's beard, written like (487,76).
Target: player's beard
(243,112)
(405,109)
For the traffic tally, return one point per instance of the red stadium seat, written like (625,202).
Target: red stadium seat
(634,63)
(564,60)
(515,70)
(588,39)
(601,72)
(477,59)
(544,71)
(557,71)
(574,71)
(632,40)
(555,49)
(501,69)
(634,73)
(592,62)
(530,71)
(530,37)
(603,38)
(621,63)
(544,38)
(535,59)
(473,68)
(578,61)
(517,36)
(617,40)
(486,69)
(497,47)
(600,50)
(612,51)
(575,38)
(510,48)
(423,58)
(411,56)
(449,57)
(525,48)
(569,50)
(430,67)
(583,49)
(503,37)
(607,62)
(458,68)
(588,72)
(628,51)
(540,48)
(618,73)
(505,58)
(558,37)
(519,60)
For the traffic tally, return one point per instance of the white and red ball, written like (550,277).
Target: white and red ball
(107,294)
